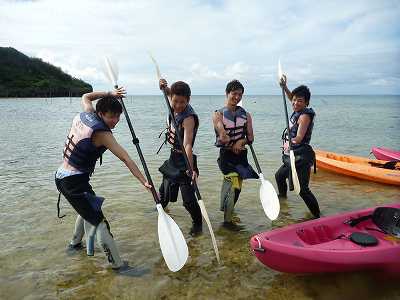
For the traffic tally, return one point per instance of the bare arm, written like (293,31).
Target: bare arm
(219,127)
(106,139)
(188,124)
(89,97)
(304,121)
(283,84)
(240,144)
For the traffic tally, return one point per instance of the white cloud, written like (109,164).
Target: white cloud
(237,70)
(330,45)
(203,72)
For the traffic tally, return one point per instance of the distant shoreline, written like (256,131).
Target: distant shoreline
(210,95)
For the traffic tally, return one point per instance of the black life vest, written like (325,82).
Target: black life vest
(170,135)
(294,127)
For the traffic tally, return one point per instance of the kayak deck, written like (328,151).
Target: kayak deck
(324,245)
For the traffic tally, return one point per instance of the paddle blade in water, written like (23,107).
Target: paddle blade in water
(207,219)
(295,178)
(269,199)
(172,242)
(111,70)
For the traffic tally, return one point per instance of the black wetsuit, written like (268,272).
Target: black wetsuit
(305,157)
(174,171)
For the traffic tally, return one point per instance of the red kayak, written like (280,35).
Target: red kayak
(345,242)
(383,153)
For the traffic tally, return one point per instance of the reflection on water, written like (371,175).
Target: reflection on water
(33,260)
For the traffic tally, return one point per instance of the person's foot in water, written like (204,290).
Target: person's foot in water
(232,226)
(235,218)
(196,230)
(73,249)
(127,270)
(310,216)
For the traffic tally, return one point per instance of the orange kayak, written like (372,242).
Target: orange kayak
(360,167)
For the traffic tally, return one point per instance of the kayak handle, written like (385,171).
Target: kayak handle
(259,248)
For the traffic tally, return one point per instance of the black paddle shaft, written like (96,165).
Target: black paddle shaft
(135,141)
(255,159)
(287,119)
(291,187)
(177,131)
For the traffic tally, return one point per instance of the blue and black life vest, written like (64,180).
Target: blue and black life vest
(79,150)
(234,123)
(294,126)
(170,135)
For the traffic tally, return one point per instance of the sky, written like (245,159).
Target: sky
(334,47)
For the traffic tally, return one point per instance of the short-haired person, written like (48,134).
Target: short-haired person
(234,129)
(174,170)
(301,125)
(89,137)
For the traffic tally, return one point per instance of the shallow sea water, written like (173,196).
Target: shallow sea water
(33,261)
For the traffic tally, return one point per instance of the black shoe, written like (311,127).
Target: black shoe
(73,249)
(280,196)
(196,230)
(232,226)
(127,270)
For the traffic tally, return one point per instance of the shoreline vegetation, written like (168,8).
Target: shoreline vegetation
(28,77)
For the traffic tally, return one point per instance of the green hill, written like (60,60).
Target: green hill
(23,76)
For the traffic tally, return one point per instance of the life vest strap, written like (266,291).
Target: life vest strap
(67,146)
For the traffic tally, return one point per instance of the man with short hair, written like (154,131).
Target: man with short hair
(90,136)
(234,129)
(174,170)
(301,124)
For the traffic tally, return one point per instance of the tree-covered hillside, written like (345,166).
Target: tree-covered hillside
(23,76)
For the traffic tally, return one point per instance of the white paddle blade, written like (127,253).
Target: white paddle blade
(156,65)
(269,199)
(295,178)
(205,216)
(111,70)
(172,242)
(240,103)
(280,73)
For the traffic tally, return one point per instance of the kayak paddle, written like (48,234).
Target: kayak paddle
(293,177)
(199,200)
(269,198)
(172,242)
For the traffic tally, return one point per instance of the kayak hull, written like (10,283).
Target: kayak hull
(355,166)
(383,153)
(323,246)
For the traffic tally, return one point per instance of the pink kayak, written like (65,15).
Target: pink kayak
(383,153)
(331,244)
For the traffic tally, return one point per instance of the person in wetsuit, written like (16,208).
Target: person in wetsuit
(89,137)
(174,170)
(234,129)
(301,125)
